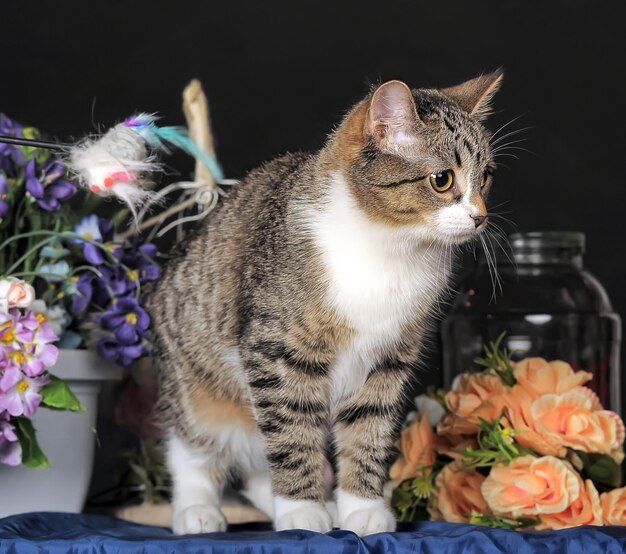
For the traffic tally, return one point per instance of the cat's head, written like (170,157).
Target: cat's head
(421,159)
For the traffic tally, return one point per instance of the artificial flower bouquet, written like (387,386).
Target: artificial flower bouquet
(26,354)
(517,446)
(67,276)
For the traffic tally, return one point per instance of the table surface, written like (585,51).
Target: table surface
(57,533)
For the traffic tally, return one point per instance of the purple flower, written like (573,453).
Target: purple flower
(84,292)
(10,449)
(127,325)
(97,229)
(128,320)
(19,394)
(136,266)
(10,128)
(142,260)
(26,343)
(5,207)
(125,356)
(24,326)
(47,185)
(99,290)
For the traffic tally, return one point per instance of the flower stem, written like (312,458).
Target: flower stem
(28,253)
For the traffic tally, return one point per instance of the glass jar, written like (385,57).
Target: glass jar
(549,307)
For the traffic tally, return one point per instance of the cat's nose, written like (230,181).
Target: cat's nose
(478,220)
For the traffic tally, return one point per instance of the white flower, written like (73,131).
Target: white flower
(15,293)
(433,410)
(88,228)
(56,316)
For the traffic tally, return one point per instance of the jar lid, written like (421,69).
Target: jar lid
(545,247)
(572,241)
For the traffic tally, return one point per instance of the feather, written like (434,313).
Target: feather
(159,137)
(118,163)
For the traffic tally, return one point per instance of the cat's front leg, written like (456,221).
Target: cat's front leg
(365,431)
(290,400)
(198,477)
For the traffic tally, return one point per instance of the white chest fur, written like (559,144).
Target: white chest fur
(379,279)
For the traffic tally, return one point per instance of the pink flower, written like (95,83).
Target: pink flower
(10,449)
(19,394)
(27,341)
(15,293)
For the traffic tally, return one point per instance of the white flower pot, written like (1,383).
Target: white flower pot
(68,439)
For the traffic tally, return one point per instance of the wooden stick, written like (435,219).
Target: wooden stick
(196,110)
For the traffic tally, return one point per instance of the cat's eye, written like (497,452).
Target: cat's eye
(485,178)
(483,181)
(442,181)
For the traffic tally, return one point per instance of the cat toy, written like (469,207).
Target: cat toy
(119,162)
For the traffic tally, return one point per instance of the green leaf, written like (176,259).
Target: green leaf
(57,395)
(504,522)
(141,472)
(601,469)
(42,155)
(32,455)
(30,133)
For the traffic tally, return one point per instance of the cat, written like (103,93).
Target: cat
(292,319)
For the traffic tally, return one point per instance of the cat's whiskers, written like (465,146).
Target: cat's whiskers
(492,266)
(507,144)
(504,203)
(498,233)
(500,154)
(507,135)
(513,148)
(501,128)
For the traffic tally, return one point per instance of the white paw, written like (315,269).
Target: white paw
(364,516)
(331,508)
(377,519)
(198,519)
(304,515)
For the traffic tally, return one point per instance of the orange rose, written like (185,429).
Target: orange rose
(417,447)
(451,445)
(519,413)
(613,505)
(458,494)
(531,486)
(585,510)
(570,418)
(477,396)
(553,422)
(538,376)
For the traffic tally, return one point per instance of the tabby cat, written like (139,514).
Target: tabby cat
(291,321)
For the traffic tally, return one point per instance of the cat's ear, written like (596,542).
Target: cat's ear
(475,95)
(392,118)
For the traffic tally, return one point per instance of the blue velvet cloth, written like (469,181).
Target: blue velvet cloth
(61,533)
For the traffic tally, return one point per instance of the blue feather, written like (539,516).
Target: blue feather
(160,137)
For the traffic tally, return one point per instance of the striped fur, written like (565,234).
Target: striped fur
(290,323)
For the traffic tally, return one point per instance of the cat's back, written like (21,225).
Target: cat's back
(202,277)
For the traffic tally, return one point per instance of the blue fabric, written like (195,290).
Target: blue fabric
(61,533)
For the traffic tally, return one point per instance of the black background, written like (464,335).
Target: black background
(279,75)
